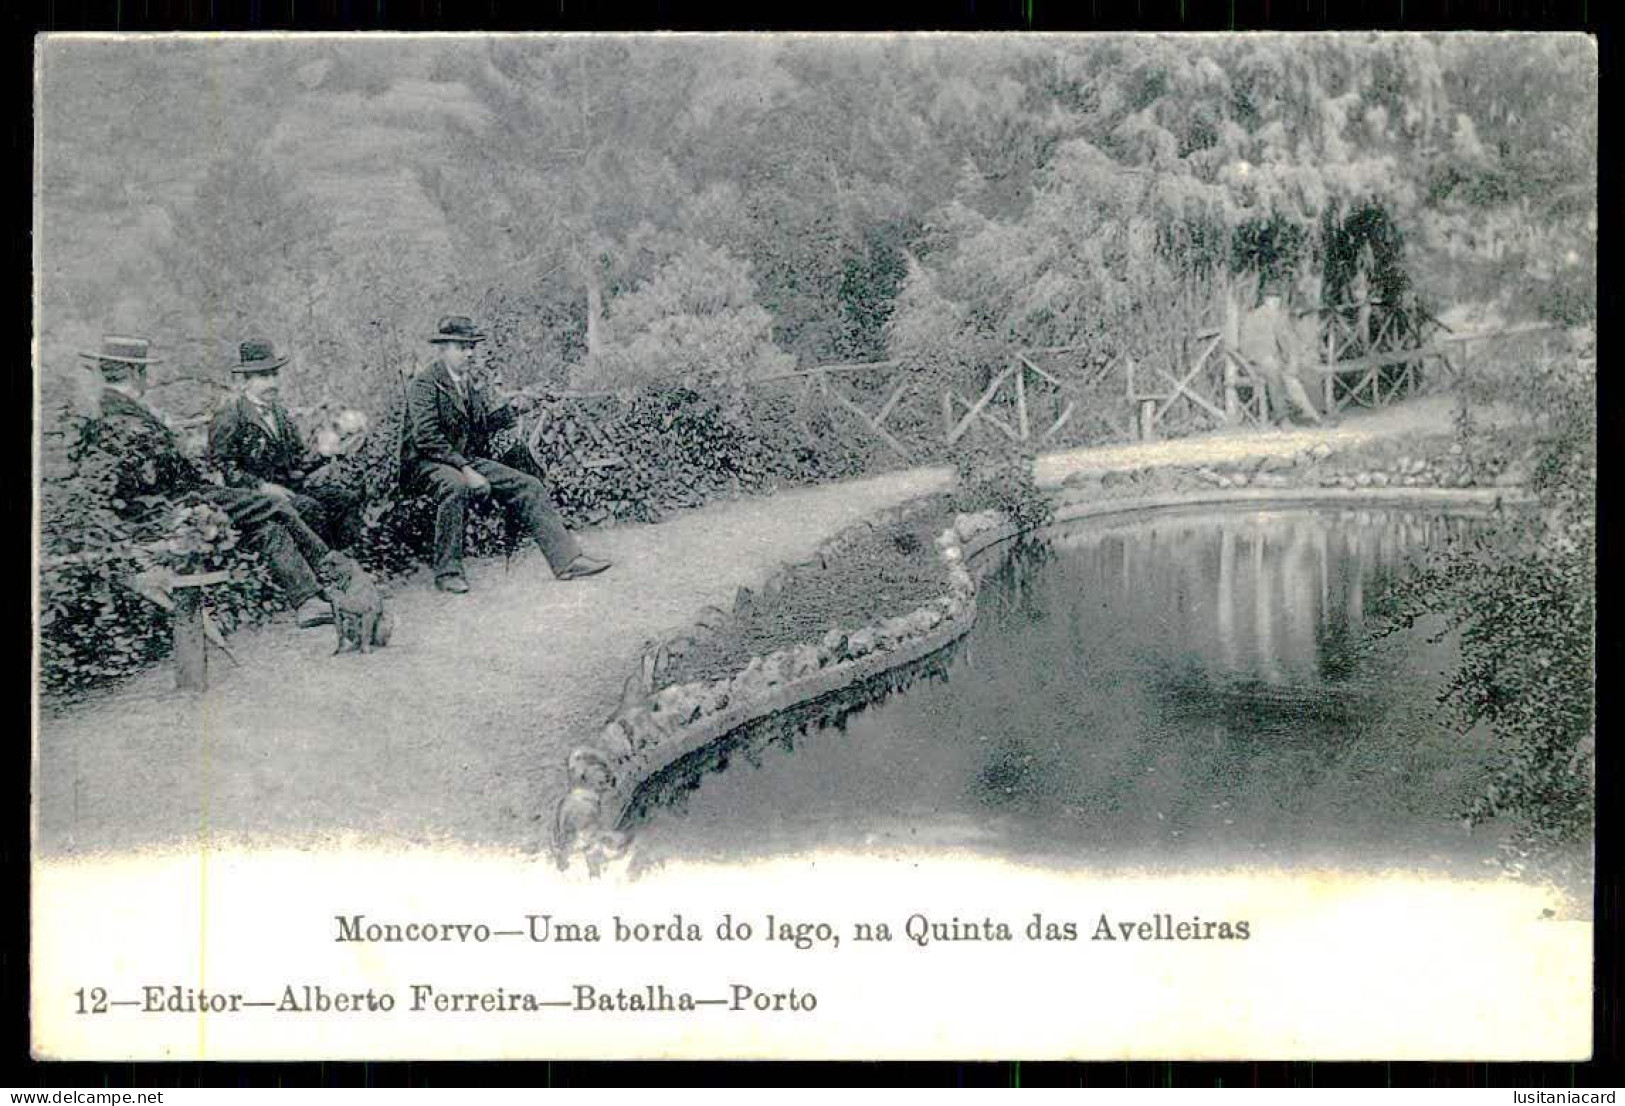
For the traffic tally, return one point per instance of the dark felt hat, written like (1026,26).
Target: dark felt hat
(257,357)
(118,352)
(457,328)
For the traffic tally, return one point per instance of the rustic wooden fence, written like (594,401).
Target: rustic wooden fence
(1044,395)
(1371,355)
(1063,396)
(838,385)
(1381,375)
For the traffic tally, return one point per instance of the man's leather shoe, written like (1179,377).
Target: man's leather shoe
(583,566)
(454,584)
(314,612)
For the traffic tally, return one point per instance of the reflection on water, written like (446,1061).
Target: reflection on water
(1181,689)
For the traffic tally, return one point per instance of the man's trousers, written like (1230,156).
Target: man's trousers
(332,511)
(273,529)
(1286,393)
(517,492)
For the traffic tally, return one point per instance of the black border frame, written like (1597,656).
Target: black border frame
(20,24)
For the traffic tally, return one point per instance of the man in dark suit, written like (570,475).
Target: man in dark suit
(153,472)
(255,444)
(450,424)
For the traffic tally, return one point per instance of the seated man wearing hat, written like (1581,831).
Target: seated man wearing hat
(153,468)
(255,444)
(450,423)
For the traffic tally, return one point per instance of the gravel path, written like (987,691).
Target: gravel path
(456,732)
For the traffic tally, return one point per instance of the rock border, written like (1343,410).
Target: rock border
(1487,498)
(1371,464)
(652,730)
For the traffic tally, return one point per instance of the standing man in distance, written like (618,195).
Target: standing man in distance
(255,444)
(1270,343)
(450,423)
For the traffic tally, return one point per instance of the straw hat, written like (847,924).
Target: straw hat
(118,352)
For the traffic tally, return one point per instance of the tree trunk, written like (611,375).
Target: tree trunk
(191,652)
(1229,342)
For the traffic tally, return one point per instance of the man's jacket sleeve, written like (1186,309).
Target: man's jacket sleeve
(151,451)
(429,439)
(305,457)
(499,413)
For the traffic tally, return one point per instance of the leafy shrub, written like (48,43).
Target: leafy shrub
(92,629)
(657,450)
(997,474)
(695,322)
(808,441)
(1522,597)
(398,533)
(95,624)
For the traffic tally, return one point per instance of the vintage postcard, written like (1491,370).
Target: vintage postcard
(814,546)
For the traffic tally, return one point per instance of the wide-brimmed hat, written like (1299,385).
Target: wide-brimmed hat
(257,357)
(119,352)
(457,328)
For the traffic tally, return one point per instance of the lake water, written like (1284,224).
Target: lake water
(1175,690)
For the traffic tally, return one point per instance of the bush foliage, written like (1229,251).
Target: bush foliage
(695,323)
(997,474)
(658,450)
(97,622)
(1521,595)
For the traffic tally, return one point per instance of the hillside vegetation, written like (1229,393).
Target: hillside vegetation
(631,210)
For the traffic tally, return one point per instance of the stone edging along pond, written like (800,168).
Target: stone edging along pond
(1483,498)
(652,730)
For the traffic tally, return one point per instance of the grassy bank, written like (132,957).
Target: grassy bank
(867,572)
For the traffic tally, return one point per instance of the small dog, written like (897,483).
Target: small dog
(359,617)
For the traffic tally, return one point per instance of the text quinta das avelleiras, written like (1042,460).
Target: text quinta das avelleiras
(918,929)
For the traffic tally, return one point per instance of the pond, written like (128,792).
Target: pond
(1181,689)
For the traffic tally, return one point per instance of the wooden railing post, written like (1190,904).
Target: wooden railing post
(191,660)
(1329,384)
(1230,338)
(1232,397)
(976,409)
(1148,420)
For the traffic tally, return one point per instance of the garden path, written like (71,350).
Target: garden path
(456,731)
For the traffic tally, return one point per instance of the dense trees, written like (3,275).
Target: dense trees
(1037,189)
